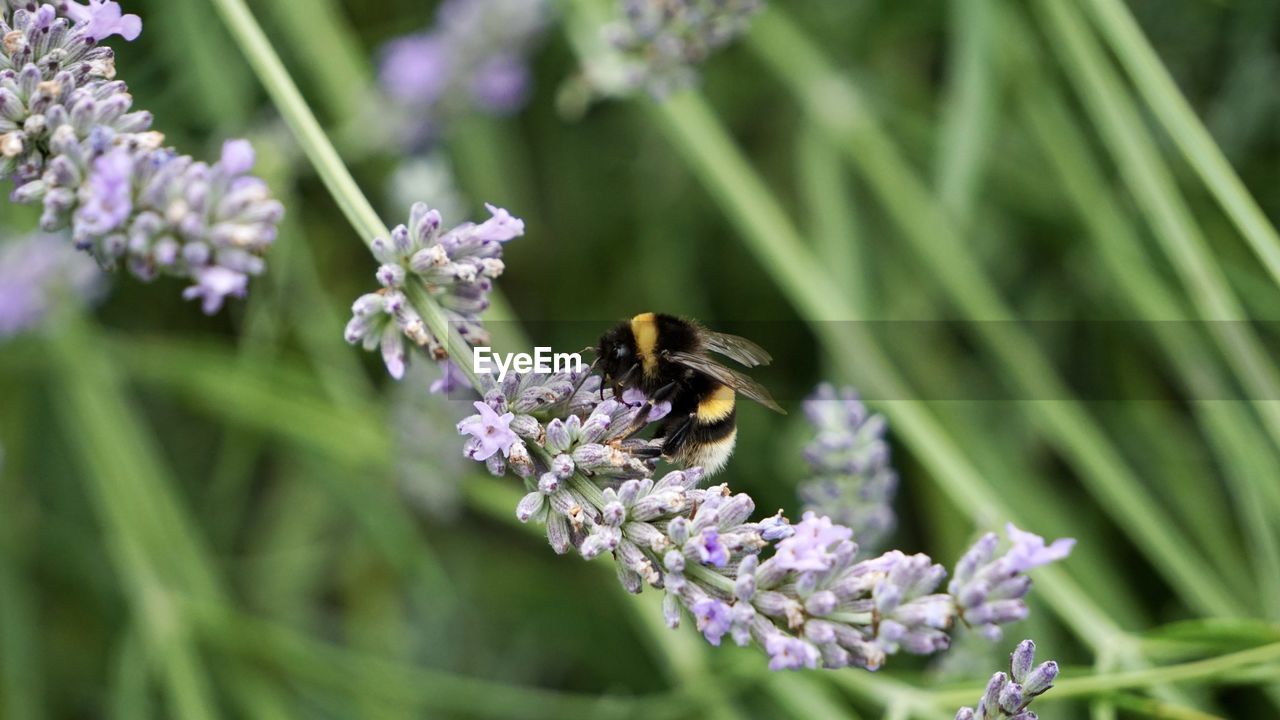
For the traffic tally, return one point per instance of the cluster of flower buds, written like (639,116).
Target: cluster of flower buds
(664,41)
(473,57)
(851,479)
(798,590)
(456,267)
(1008,695)
(71,142)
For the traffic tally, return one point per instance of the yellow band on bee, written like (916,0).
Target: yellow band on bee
(717,405)
(645,329)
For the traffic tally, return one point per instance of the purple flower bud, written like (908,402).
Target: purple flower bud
(530,505)
(706,546)
(1021,660)
(671,610)
(237,157)
(789,653)
(1040,679)
(809,548)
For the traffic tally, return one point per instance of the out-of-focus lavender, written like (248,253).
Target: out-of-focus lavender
(1009,694)
(428,466)
(456,267)
(70,142)
(797,590)
(664,41)
(473,58)
(36,272)
(851,479)
(428,175)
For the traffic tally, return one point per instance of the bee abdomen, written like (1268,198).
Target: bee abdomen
(708,435)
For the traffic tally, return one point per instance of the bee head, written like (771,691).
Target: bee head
(616,352)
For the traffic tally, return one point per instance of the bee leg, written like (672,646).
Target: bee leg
(676,434)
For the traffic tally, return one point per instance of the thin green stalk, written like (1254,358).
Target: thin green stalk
(1152,708)
(891,694)
(829,201)
(1170,108)
(1061,418)
(20,676)
(1155,190)
(1068,687)
(320,37)
(968,108)
(129,697)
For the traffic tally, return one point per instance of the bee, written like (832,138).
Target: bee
(667,358)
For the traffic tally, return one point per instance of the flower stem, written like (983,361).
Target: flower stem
(1103,683)
(333,172)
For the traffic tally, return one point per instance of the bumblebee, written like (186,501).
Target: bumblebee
(668,359)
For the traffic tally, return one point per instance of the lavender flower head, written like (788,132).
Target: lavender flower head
(35,272)
(988,588)
(1008,695)
(473,57)
(664,40)
(456,267)
(797,590)
(851,478)
(70,142)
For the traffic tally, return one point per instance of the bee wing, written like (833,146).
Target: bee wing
(736,348)
(723,375)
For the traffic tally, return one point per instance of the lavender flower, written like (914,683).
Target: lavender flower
(798,591)
(103,19)
(35,272)
(490,433)
(664,40)
(474,57)
(70,142)
(1008,695)
(456,267)
(852,481)
(988,590)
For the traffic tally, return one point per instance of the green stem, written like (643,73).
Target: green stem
(967,118)
(1171,109)
(1066,688)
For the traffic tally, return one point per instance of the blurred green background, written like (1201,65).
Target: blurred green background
(241,516)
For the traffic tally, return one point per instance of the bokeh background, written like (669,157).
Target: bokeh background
(991,183)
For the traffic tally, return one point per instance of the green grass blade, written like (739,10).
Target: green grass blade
(968,111)
(1171,109)
(828,200)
